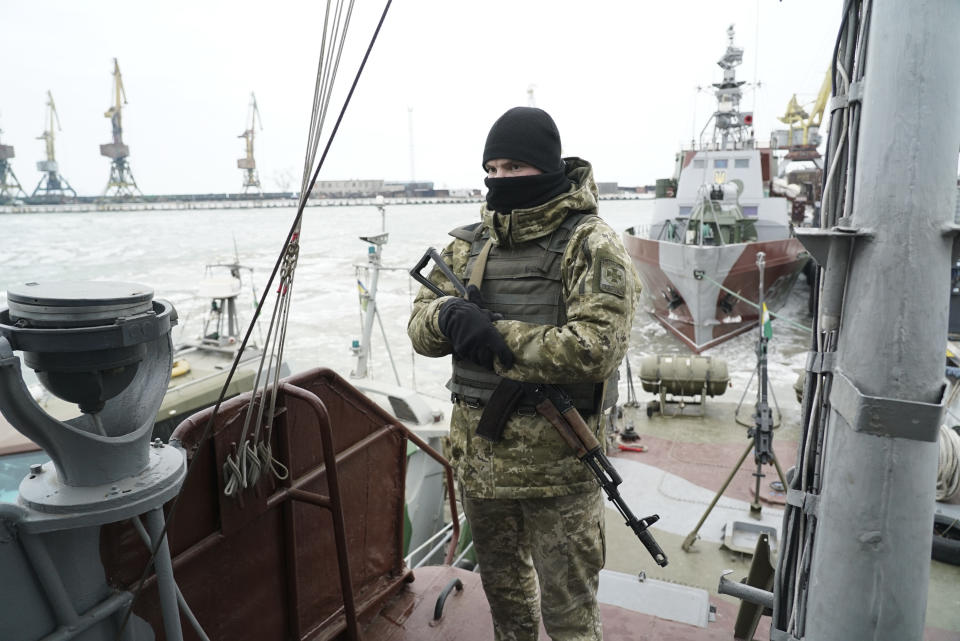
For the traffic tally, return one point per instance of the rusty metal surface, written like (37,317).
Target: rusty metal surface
(269,569)
(408,616)
(466,616)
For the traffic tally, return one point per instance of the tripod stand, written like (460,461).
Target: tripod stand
(761,434)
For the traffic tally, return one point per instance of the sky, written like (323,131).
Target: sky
(623,79)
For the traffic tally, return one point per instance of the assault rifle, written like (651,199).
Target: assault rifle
(555,405)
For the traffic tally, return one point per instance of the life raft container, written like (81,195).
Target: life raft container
(684,375)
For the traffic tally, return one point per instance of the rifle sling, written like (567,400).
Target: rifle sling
(476,276)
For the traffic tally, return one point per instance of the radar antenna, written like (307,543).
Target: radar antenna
(732,125)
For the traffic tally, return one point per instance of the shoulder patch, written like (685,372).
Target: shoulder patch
(610,276)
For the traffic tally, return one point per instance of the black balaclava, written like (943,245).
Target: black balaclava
(529,135)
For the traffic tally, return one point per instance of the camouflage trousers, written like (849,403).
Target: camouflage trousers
(540,556)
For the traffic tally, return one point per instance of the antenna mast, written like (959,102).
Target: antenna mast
(121,180)
(413,175)
(733,124)
(52,186)
(251,179)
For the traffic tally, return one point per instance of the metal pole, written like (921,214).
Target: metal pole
(871,551)
(363,358)
(692,537)
(166,584)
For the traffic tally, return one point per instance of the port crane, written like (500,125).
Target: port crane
(10,188)
(121,183)
(801,174)
(251,179)
(802,136)
(52,187)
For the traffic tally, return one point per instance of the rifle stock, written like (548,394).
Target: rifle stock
(548,410)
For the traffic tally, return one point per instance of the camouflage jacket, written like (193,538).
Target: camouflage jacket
(532,460)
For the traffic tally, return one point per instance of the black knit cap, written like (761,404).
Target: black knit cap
(527,134)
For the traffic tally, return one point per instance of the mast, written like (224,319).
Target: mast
(730,124)
(52,186)
(413,174)
(855,560)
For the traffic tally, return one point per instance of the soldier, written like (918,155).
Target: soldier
(551,300)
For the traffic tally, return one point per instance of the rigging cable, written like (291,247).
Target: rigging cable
(321,101)
(799,530)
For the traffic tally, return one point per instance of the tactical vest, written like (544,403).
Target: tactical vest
(524,283)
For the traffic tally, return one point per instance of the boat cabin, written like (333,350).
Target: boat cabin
(715,219)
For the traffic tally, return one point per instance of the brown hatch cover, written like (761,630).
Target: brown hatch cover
(273,564)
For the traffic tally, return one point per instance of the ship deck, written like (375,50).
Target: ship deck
(687,460)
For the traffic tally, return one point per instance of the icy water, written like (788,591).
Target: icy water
(167,250)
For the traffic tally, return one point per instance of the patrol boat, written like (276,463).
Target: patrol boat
(697,261)
(311,549)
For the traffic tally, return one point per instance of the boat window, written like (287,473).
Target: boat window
(720,163)
(750,212)
(707,233)
(698,163)
(685,211)
(741,163)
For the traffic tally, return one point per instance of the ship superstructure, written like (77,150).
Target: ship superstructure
(697,263)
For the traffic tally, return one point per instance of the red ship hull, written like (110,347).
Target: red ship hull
(700,293)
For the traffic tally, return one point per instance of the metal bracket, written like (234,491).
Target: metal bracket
(780,635)
(138,329)
(952,231)
(818,241)
(809,503)
(854,94)
(820,362)
(889,417)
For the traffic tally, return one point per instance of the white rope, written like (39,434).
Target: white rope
(948,469)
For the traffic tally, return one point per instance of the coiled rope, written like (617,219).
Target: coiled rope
(948,469)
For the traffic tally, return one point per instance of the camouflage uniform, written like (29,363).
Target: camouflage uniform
(552,520)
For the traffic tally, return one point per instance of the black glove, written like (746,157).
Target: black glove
(471,332)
